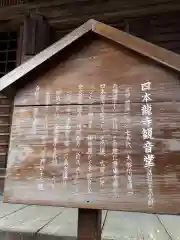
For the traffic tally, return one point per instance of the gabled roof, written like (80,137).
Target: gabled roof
(158,54)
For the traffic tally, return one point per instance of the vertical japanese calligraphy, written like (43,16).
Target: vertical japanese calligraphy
(90,112)
(58,96)
(90,153)
(55,141)
(18,124)
(35,109)
(68,101)
(67,140)
(36,95)
(102,163)
(115,151)
(102,138)
(86,139)
(115,165)
(128,146)
(56,134)
(47,101)
(102,101)
(42,163)
(146,111)
(79,135)
(44,142)
(90,140)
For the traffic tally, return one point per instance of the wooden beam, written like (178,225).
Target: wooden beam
(19,47)
(106,10)
(89,224)
(36,34)
(158,54)
(34,37)
(113,16)
(29,36)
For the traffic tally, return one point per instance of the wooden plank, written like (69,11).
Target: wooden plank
(85,65)
(42,34)
(24,134)
(4,138)
(36,35)
(141,47)
(3,157)
(165,57)
(171,223)
(22,174)
(128,225)
(29,41)
(60,225)
(5,128)
(129,9)
(29,219)
(89,224)
(4,100)
(19,51)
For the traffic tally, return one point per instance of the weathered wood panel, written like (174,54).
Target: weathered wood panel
(26,150)
(40,144)
(165,125)
(105,10)
(36,35)
(100,63)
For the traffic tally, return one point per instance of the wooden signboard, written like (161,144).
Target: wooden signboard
(98,126)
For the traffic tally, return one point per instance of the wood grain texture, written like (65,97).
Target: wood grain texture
(159,55)
(26,171)
(89,224)
(94,65)
(101,10)
(99,62)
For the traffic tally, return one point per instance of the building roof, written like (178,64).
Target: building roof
(156,53)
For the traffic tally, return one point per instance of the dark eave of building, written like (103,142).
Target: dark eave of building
(65,13)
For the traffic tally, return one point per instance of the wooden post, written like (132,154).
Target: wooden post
(35,35)
(89,224)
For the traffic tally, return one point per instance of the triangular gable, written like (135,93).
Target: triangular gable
(158,54)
